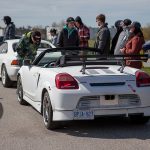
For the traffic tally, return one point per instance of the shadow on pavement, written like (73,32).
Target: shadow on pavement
(108,128)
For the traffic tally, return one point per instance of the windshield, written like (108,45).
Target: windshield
(48,58)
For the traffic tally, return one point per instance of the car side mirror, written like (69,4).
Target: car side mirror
(27,62)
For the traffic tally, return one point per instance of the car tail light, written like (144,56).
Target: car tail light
(65,81)
(15,62)
(142,79)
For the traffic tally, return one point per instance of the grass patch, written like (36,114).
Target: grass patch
(91,43)
(146,69)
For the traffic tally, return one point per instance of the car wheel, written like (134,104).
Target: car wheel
(20,92)
(48,113)
(139,119)
(6,82)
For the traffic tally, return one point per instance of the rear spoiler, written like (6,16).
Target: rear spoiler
(84,60)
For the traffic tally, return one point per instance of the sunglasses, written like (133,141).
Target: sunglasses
(37,38)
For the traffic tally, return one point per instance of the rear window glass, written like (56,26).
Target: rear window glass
(14,45)
(42,45)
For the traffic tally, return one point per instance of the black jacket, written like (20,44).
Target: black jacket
(9,32)
(66,40)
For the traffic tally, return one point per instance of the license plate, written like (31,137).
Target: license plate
(83,114)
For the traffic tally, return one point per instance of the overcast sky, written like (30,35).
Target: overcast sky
(45,12)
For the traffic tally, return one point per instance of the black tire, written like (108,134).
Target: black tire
(6,82)
(47,112)
(139,119)
(20,92)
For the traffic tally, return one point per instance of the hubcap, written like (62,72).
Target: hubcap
(19,91)
(45,110)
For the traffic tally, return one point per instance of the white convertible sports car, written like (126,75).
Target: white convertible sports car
(64,86)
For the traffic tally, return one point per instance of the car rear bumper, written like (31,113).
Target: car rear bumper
(69,115)
(12,72)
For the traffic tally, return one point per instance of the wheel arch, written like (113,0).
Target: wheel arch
(3,64)
(45,88)
(42,95)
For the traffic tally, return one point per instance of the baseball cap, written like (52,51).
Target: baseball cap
(70,19)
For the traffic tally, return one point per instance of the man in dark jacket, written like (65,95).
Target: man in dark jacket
(68,36)
(103,35)
(9,32)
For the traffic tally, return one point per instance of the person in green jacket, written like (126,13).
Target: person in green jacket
(28,45)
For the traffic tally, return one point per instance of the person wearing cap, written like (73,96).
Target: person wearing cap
(28,45)
(68,36)
(123,37)
(9,32)
(53,36)
(102,41)
(83,31)
(134,44)
(115,38)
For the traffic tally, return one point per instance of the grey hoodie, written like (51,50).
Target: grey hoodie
(123,37)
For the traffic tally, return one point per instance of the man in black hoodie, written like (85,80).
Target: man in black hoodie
(9,32)
(68,36)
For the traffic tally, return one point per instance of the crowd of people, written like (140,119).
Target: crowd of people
(128,39)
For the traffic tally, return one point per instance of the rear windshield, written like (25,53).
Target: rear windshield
(14,45)
(42,46)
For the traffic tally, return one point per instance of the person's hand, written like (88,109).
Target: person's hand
(122,50)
